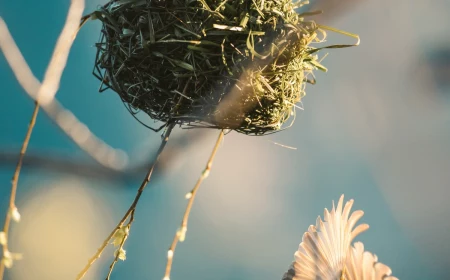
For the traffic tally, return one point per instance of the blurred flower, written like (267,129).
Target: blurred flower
(121,234)
(182,233)
(118,239)
(3,239)
(9,258)
(326,253)
(121,254)
(15,215)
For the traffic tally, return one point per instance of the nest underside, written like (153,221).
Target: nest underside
(238,65)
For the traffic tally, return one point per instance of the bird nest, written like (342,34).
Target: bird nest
(228,64)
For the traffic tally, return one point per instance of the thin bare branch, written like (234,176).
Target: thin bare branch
(58,62)
(62,163)
(117,255)
(45,92)
(181,233)
(15,180)
(130,211)
(17,62)
(84,138)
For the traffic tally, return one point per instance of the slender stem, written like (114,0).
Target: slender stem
(133,205)
(15,180)
(93,170)
(116,257)
(82,136)
(179,236)
(45,92)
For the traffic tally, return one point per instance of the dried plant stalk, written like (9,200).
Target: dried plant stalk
(14,182)
(45,92)
(181,233)
(130,212)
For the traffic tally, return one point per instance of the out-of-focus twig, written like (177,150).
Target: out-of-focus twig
(50,84)
(15,180)
(84,138)
(181,233)
(59,163)
(120,249)
(132,208)
(44,94)
(71,166)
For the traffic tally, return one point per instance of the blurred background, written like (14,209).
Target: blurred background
(376,128)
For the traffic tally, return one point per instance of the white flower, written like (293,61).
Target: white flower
(188,195)
(121,254)
(170,254)
(15,215)
(118,239)
(182,233)
(121,234)
(9,258)
(325,251)
(8,262)
(362,265)
(3,239)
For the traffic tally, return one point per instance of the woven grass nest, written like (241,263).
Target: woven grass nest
(228,64)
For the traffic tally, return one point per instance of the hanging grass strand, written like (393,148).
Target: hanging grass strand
(132,208)
(181,232)
(14,182)
(45,92)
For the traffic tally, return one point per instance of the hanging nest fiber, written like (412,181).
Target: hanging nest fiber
(228,64)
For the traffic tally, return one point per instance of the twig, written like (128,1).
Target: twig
(81,167)
(53,74)
(116,257)
(181,233)
(15,179)
(46,91)
(50,84)
(81,135)
(130,211)
(70,165)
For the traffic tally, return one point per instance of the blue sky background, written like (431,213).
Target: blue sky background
(376,128)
